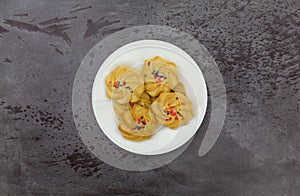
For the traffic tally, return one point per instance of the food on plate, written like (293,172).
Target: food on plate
(138,123)
(124,84)
(147,99)
(172,109)
(153,99)
(119,109)
(160,75)
(179,88)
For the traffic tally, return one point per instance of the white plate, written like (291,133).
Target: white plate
(134,54)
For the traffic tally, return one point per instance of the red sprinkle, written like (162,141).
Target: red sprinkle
(116,84)
(176,118)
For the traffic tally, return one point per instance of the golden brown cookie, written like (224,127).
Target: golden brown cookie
(119,109)
(179,88)
(153,99)
(145,100)
(138,123)
(124,84)
(160,75)
(172,109)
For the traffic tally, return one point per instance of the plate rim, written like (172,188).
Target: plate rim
(186,55)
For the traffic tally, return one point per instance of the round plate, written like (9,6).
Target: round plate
(134,54)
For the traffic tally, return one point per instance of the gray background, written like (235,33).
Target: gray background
(255,44)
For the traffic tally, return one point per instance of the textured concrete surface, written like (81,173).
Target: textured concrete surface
(256,45)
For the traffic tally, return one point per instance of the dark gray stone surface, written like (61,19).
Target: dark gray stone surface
(256,45)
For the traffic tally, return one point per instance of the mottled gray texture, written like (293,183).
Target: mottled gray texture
(255,44)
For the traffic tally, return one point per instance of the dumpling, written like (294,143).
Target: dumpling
(124,84)
(138,123)
(172,109)
(160,75)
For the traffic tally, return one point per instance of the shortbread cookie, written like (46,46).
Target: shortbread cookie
(179,88)
(172,109)
(124,84)
(160,75)
(145,100)
(138,123)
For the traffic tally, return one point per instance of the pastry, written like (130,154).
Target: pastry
(124,84)
(145,100)
(172,109)
(137,123)
(153,99)
(179,88)
(160,75)
(119,109)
